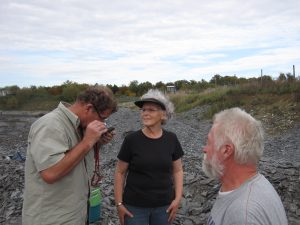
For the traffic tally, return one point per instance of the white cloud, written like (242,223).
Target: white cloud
(120,41)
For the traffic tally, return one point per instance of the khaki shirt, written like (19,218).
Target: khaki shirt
(65,201)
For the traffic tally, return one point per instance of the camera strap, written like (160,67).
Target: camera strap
(96,179)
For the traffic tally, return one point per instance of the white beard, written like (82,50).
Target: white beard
(212,168)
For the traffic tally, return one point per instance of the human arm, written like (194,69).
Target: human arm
(178,183)
(120,173)
(73,156)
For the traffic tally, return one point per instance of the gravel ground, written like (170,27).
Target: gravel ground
(280,164)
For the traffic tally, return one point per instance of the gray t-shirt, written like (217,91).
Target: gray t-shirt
(65,201)
(254,203)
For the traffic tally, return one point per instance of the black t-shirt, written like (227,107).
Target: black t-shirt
(149,180)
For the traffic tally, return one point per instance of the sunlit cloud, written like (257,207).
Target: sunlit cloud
(49,42)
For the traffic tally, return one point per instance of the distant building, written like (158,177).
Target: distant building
(171,89)
(4,92)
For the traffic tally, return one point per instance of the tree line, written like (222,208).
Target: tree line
(17,97)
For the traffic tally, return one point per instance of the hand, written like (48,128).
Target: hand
(122,211)
(94,131)
(172,210)
(107,137)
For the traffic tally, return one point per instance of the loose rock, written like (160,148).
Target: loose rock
(280,164)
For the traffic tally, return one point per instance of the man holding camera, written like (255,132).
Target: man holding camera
(56,176)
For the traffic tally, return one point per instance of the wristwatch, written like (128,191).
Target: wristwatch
(119,204)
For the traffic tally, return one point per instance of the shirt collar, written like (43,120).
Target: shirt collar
(63,106)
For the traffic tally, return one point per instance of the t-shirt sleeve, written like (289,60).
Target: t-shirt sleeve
(178,153)
(124,153)
(47,146)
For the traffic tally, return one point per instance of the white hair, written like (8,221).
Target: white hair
(243,131)
(158,95)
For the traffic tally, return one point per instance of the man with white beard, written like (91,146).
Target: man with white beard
(231,155)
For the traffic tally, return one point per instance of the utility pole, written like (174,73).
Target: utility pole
(261,75)
(294,73)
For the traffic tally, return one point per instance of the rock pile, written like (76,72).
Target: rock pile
(281,165)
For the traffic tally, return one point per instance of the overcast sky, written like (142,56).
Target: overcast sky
(47,42)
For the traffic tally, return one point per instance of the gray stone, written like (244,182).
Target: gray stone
(280,164)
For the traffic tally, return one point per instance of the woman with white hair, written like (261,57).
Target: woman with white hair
(149,174)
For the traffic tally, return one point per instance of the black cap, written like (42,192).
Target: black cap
(141,102)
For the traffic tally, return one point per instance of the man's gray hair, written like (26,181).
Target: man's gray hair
(243,131)
(158,95)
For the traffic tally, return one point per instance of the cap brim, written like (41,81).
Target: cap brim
(141,102)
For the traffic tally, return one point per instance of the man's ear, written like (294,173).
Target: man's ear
(228,150)
(88,106)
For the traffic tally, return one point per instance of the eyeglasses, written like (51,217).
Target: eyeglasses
(102,118)
(150,110)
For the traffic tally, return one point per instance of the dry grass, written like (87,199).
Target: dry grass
(277,111)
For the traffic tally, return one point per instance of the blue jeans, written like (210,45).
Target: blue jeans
(147,216)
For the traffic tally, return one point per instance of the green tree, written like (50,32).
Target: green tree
(229,80)
(215,79)
(24,95)
(123,90)
(267,78)
(55,90)
(290,77)
(70,91)
(160,85)
(134,86)
(281,77)
(181,84)
(114,88)
(144,87)
(12,102)
(13,89)
(170,84)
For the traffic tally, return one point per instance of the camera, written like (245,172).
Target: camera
(110,129)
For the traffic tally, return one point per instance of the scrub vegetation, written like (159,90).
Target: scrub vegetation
(277,104)
(272,101)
